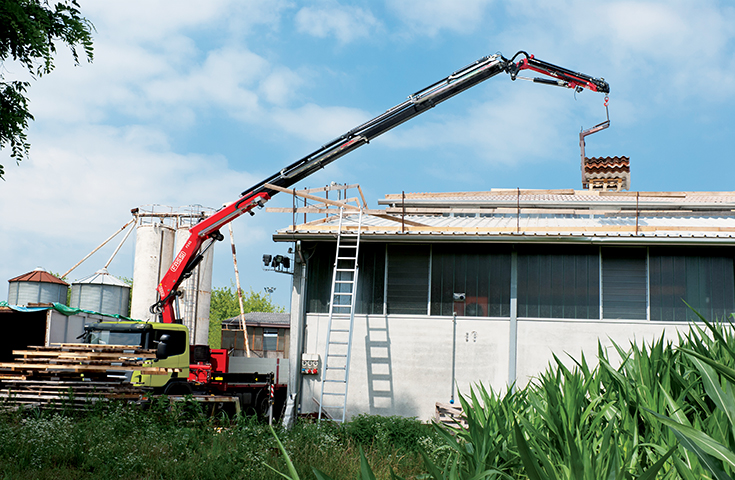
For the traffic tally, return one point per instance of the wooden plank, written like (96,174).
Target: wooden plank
(311,197)
(100,355)
(86,368)
(329,188)
(449,415)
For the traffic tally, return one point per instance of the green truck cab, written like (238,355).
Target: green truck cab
(170,340)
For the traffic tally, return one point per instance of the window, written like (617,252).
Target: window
(270,339)
(481,272)
(319,276)
(408,279)
(703,278)
(558,282)
(624,283)
(370,280)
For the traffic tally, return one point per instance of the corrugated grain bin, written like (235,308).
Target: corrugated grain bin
(35,287)
(101,292)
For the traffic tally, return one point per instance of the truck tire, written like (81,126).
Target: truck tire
(177,388)
(261,402)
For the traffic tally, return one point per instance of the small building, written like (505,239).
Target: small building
(460,288)
(268,334)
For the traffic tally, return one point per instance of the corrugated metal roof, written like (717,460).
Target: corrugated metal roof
(38,275)
(102,277)
(544,213)
(255,319)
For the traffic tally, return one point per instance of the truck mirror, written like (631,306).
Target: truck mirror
(162,350)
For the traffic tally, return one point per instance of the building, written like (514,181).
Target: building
(460,288)
(268,334)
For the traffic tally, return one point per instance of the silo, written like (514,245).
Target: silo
(197,289)
(36,287)
(101,292)
(154,251)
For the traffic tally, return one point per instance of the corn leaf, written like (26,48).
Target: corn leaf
(652,471)
(291,470)
(704,446)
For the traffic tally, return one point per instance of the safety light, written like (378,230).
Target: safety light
(266,259)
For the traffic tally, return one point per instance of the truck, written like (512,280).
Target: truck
(258,383)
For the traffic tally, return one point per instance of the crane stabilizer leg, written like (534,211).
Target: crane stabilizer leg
(459,81)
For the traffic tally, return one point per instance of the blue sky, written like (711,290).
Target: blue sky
(191,102)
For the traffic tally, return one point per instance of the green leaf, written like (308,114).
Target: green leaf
(712,386)
(725,371)
(532,468)
(699,442)
(652,471)
(291,469)
(366,473)
(319,474)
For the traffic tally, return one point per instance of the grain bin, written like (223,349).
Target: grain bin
(154,250)
(101,292)
(37,286)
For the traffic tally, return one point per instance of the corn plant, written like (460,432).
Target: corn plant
(706,427)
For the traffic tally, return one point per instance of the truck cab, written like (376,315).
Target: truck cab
(171,342)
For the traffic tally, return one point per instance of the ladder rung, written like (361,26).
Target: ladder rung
(342,293)
(334,406)
(335,381)
(345,269)
(338,343)
(340,330)
(336,355)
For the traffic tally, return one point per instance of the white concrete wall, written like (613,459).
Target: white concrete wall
(539,339)
(407,368)
(417,370)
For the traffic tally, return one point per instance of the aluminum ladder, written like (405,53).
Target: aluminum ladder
(336,371)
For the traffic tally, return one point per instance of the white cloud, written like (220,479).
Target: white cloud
(279,87)
(429,17)
(87,181)
(676,47)
(344,23)
(313,122)
(518,125)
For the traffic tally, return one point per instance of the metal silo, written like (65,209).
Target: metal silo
(197,289)
(101,292)
(154,250)
(36,287)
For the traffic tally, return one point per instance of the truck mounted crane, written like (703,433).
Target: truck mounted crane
(204,234)
(217,372)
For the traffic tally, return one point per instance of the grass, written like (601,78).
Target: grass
(124,442)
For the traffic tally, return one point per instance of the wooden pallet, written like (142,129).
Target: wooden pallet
(449,415)
(73,375)
(59,392)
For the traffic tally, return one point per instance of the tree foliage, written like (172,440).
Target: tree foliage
(29,33)
(224,305)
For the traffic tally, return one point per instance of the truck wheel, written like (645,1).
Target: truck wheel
(261,403)
(177,388)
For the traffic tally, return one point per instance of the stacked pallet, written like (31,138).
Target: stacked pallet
(450,415)
(73,375)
